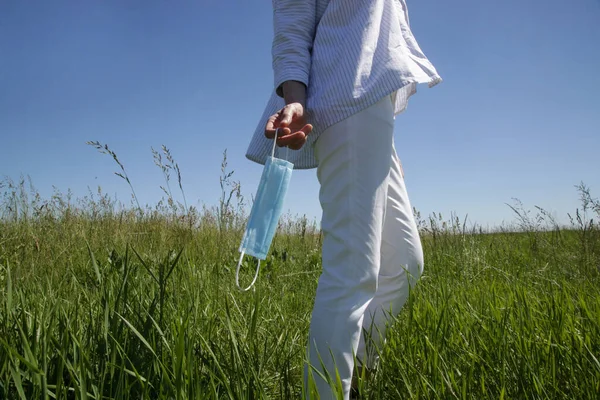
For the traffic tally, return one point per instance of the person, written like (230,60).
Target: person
(343,70)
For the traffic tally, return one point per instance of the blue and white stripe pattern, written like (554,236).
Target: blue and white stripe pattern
(350,54)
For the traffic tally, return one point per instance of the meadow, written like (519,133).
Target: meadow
(101,300)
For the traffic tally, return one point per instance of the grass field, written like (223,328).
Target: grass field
(100,301)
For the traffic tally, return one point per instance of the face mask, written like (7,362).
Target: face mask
(265,213)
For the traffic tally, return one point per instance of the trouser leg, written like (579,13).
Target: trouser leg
(354,165)
(401,265)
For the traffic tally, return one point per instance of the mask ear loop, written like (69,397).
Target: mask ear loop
(275,143)
(237,274)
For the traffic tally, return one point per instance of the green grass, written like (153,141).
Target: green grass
(97,301)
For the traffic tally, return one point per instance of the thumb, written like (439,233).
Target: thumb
(286,117)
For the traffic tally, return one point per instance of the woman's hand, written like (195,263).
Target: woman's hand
(290,122)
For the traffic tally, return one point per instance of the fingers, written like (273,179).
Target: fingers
(280,124)
(283,118)
(307,129)
(295,140)
(271,127)
(291,139)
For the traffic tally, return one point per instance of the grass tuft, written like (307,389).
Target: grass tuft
(99,301)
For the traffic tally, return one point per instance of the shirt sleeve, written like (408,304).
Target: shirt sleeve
(294,24)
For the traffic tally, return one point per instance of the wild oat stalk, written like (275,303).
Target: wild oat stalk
(166,168)
(229,187)
(175,167)
(104,149)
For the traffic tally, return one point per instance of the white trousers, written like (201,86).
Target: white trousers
(371,247)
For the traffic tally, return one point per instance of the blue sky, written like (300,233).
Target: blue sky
(518,114)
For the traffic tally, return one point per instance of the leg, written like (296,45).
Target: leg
(401,265)
(354,163)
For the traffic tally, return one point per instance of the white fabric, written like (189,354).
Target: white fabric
(350,54)
(370,246)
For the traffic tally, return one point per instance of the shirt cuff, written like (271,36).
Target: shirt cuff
(289,75)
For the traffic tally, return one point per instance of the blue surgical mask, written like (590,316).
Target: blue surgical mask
(265,213)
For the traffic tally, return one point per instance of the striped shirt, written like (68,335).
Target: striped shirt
(350,54)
